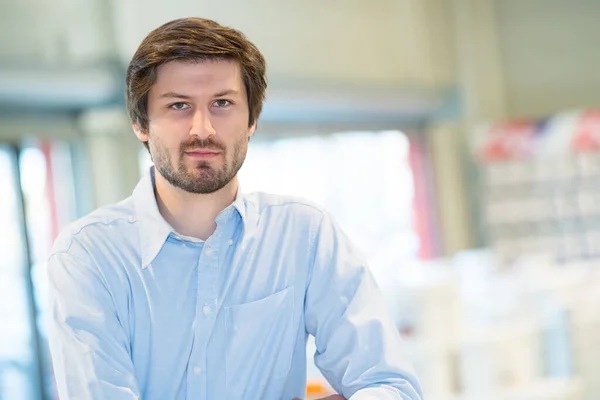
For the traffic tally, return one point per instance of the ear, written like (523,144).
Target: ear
(252,130)
(141,135)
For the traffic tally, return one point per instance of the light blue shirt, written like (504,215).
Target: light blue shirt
(139,311)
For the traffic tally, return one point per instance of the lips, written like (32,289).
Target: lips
(202,153)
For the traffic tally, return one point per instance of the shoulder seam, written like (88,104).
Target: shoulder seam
(103,223)
(74,233)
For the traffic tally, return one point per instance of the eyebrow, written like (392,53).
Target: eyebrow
(186,97)
(226,93)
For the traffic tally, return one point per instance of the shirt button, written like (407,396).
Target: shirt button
(206,309)
(230,242)
(197,370)
(208,251)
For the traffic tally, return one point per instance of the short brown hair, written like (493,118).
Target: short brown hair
(192,39)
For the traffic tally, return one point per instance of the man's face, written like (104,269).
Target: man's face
(198,131)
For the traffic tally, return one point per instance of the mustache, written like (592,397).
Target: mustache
(208,144)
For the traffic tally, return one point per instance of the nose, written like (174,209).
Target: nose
(201,125)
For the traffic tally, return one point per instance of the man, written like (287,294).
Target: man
(190,289)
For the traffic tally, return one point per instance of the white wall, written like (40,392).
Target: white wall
(55,32)
(377,42)
(550,54)
(386,42)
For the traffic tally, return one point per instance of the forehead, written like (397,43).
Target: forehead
(194,76)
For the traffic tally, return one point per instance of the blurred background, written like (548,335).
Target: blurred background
(457,142)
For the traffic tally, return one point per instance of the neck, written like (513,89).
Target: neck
(192,214)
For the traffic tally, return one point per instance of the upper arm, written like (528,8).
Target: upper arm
(358,345)
(90,349)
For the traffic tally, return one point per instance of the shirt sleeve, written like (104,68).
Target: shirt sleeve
(89,346)
(359,350)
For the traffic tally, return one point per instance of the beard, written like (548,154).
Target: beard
(201,177)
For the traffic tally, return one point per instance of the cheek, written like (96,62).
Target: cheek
(232,123)
(166,135)
(169,127)
(233,132)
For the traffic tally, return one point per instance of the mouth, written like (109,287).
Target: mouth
(202,153)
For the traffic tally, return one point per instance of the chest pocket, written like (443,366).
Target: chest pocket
(260,342)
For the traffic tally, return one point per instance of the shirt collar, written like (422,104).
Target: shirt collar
(154,229)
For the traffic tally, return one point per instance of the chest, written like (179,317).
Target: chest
(220,310)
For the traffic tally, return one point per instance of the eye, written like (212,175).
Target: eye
(222,103)
(179,106)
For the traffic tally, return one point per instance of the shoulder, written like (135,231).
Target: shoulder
(102,224)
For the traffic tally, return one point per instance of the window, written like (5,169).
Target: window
(363,178)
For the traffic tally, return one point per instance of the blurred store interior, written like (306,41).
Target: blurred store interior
(457,142)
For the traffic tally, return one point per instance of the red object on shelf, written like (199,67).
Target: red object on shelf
(510,141)
(587,135)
